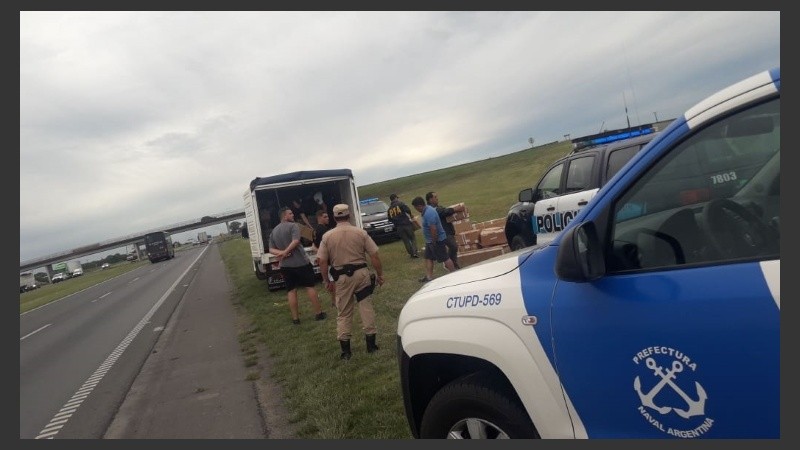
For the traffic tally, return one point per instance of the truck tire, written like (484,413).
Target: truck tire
(517,242)
(469,408)
(259,274)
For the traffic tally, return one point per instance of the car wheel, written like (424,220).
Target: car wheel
(469,408)
(517,242)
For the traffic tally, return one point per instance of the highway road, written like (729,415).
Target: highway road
(79,355)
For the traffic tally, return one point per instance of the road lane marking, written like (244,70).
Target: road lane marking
(57,422)
(101,297)
(34,332)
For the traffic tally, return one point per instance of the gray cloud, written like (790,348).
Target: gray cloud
(123,113)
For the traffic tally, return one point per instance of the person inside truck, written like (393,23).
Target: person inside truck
(299,213)
(265,216)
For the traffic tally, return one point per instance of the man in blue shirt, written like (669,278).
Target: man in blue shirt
(435,238)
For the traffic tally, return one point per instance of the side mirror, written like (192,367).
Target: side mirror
(526,195)
(580,255)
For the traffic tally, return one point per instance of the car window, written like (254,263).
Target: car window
(617,158)
(373,208)
(579,174)
(550,185)
(714,197)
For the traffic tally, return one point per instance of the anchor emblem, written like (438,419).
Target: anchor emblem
(695,407)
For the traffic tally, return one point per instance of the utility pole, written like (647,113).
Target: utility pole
(625,102)
(655,115)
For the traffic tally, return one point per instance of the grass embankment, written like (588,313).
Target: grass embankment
(361,398)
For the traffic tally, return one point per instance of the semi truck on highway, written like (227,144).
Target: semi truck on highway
(27,282)
(74,269)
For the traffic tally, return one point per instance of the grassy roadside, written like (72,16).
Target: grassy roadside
(361,398)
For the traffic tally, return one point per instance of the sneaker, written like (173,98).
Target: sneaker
(321,316)
(296,321)
(424,279)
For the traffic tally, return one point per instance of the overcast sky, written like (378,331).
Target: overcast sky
(135,120)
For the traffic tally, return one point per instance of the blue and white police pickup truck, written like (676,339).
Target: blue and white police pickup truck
(654,314)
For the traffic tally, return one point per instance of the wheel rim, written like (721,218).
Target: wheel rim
(474,428)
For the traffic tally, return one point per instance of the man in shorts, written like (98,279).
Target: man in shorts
(435,239)
(296,268)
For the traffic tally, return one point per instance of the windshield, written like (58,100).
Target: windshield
(371,208)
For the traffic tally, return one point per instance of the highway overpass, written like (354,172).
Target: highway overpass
(213,219)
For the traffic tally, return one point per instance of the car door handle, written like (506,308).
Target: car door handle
(583,202)
(552,208)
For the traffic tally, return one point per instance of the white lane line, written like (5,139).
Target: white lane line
(135,279)
(58,421)
(34,332)
(101,297)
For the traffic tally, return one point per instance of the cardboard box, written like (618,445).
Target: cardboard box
(467,248)
(475,256)
(492,236)
(306,232)
(459,215)
(461,226)
(490,223)
(469,237)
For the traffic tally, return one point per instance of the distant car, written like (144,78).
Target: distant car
(77,272)
(105,266)
(61,276)
(27,287)
(132,257)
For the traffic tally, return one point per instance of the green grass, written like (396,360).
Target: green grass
(361,398)
(487,187)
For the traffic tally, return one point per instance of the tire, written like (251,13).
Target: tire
(259,274)
(469,408)
(517,242)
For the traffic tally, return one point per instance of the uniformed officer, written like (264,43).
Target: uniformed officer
(344,249)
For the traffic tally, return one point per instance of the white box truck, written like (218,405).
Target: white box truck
(202,237)
(27,282)
(266,196)
(74,269)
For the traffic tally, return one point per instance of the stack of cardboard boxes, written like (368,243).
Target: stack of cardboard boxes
(478,241)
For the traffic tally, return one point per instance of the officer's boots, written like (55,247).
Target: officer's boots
(371,345)
(346,354)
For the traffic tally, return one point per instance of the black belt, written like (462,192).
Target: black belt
(347,269)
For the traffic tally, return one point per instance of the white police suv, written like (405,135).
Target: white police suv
(654,314)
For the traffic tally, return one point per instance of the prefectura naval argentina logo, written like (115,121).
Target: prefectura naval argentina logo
(671,398)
